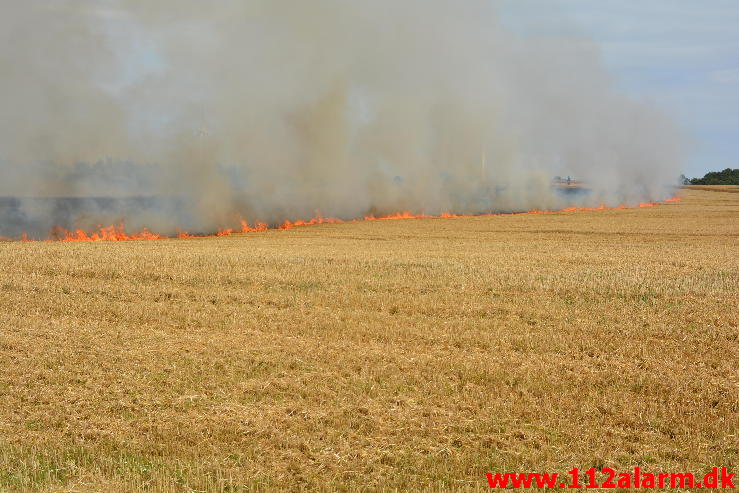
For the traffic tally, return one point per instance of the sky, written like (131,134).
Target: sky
(682,55)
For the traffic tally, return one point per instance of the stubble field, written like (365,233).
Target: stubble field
(408,355)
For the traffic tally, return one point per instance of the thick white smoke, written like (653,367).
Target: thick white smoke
(276,109)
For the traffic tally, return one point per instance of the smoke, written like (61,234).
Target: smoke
(181,113)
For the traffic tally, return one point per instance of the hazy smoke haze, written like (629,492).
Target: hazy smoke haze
(276,109)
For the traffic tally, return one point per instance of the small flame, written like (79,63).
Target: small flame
(104,233)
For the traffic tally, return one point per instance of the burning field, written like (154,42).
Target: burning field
(347,245)
(410,354)
(182,121)
(117,232)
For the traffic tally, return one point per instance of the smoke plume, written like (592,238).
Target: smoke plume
(183,113)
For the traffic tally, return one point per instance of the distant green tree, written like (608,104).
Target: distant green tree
(726,177)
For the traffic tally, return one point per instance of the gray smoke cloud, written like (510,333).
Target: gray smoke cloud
(182,113)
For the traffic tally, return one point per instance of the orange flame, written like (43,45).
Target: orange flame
(104,233)
(117,232)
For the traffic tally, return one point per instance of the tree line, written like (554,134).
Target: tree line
(726,177)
